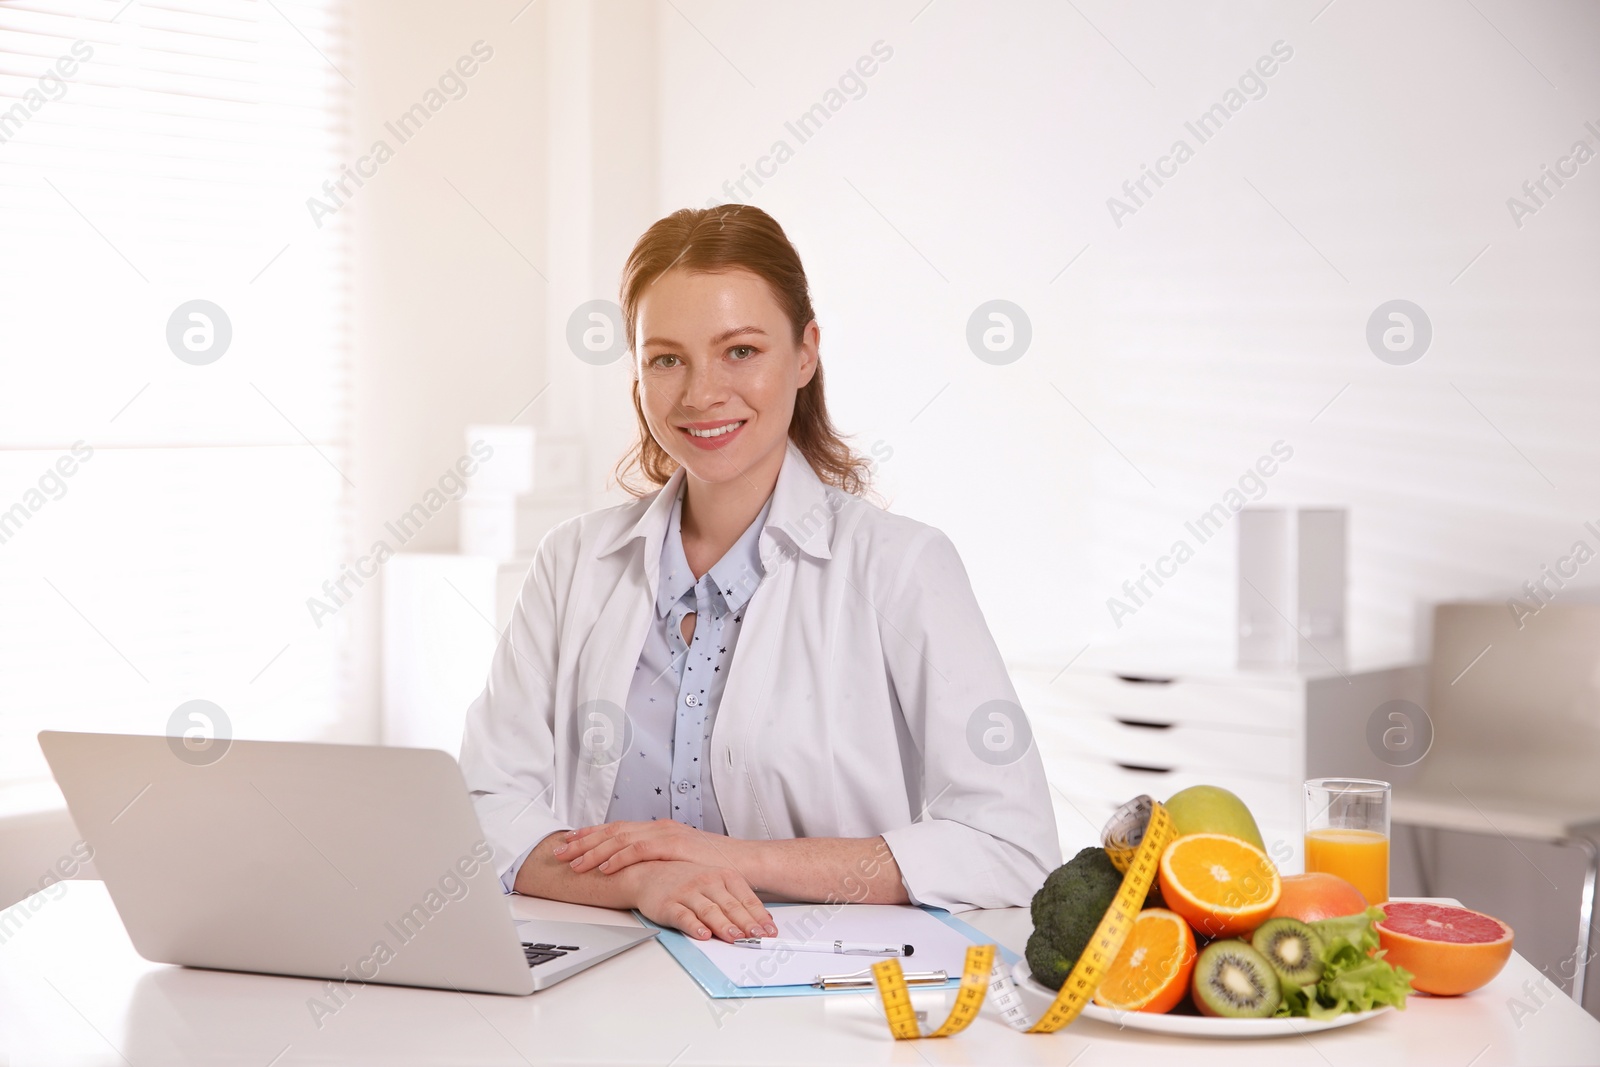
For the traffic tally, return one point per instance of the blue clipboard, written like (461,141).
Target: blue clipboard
(719,986)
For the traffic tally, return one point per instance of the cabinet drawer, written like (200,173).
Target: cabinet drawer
(1253,705)
(1186,745)
(1270,800)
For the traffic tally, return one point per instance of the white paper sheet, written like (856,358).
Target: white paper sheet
(938,947)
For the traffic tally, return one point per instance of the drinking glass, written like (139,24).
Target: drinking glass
(1347,832)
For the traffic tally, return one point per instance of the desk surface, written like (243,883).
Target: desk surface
(72,990)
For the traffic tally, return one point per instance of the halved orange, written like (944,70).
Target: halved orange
(1223,886)
(1151,973)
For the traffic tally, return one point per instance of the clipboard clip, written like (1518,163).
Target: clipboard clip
(863,979)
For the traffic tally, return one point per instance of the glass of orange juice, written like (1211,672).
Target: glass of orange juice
(1347,833)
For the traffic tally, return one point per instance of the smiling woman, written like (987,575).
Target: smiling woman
(728,257)
(750,683)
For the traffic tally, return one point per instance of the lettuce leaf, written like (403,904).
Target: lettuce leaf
(1355,976)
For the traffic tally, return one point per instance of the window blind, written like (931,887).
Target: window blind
(174,476)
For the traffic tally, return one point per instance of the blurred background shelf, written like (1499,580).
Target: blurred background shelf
(443,614)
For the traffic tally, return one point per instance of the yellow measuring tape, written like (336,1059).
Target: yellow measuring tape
(1134,839)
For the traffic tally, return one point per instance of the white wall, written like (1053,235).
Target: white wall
(515,203)
(447,312)
(1205,328)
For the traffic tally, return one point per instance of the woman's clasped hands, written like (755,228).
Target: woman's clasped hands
(693,882)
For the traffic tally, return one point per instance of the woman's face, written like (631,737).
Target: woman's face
(718,371)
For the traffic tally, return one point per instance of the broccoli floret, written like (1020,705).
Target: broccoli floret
(1048,966)
(1066,910)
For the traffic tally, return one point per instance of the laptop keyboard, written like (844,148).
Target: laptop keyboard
(543,953)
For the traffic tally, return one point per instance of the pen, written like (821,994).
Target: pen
(863,979)
(843,948)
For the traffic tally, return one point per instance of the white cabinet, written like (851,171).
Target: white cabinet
(1110,731)
(442,616)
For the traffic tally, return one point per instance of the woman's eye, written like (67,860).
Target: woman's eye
(741,351)
(661,361)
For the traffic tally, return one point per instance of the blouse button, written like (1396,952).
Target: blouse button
(683,787)
(693,700)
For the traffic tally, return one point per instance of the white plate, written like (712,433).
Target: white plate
(1038,998)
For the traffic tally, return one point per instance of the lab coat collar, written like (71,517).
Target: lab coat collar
(732,578)
(799,513)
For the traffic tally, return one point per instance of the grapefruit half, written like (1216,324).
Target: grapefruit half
(1449,950)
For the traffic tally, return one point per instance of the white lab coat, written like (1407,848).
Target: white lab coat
(858,702)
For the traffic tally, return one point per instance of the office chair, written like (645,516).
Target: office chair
(1515,702)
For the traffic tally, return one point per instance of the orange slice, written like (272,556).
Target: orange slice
(1223,886)
(1151,973)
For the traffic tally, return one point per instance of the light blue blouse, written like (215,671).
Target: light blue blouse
(677,685)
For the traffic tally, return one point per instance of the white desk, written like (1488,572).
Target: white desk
(72,991)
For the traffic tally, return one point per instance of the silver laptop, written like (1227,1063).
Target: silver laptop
(350,863)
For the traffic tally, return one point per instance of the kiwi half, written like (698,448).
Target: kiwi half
(1233,980)
(1293,949)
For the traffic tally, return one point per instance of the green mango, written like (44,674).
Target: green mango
(1210,809)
